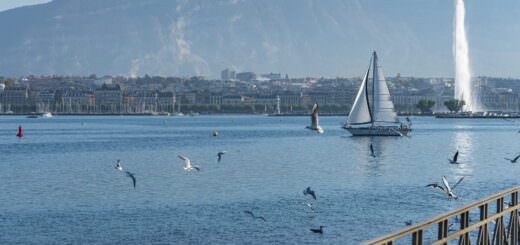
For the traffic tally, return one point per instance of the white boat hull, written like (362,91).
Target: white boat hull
(378,131)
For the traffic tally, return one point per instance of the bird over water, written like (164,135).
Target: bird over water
(188,166)
(448,190)
(315,125)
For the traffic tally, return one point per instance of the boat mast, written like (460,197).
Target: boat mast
(374,66)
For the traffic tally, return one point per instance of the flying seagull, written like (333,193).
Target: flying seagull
(308,191)
(454,159)
(372,151)
(219,155)
(254,216)
(447,189)
(188,166)
(514,159)
(132,176)
(118,165)
(320,230)
(314,120)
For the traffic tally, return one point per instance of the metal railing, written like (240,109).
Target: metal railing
(501,233)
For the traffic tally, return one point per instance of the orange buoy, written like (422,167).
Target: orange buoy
(20,132)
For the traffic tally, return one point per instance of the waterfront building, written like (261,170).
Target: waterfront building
(166,101)
(246,76)
(228,74)
(290,98)
(265,100)
(108,98)
(215,99)
(273,76)
(233,100)
(15,96)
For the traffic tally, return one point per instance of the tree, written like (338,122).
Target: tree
(425,105)
(454,105)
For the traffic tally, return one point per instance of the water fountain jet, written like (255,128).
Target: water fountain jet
(463,88)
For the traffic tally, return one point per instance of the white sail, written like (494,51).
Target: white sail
(360,112)
(383,108)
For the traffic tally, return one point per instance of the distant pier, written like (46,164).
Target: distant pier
(478,115)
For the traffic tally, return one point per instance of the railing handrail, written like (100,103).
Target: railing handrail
(445,216)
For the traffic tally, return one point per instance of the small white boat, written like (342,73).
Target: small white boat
(373,112)
(40,115)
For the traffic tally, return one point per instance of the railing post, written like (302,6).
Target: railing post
(443,230)
(417,238)
(464,223)
(499,235)
(513,220)
(483,233)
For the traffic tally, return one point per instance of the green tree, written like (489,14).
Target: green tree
(425,105)
(454,105)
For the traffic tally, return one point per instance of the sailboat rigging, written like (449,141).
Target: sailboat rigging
(373,105)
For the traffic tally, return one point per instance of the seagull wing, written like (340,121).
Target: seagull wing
(446,184)
(313,194)
(262,218)
(516,158)
(307,191)
(436,186)
(131,175)
(314,115)
(458,182)
(196,167)
(249,212)
(186,160)
(456,156)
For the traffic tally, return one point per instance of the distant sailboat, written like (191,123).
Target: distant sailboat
(373,105)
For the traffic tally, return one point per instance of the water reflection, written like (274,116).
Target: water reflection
(463,142)
(384,149)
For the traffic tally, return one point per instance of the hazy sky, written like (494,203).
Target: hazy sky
(9,4)
(299,37)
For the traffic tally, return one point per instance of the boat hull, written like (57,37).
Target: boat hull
(378,131)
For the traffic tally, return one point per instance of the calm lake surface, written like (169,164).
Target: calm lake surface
(58,184)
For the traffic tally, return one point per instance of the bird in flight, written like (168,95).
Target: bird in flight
(188,166)
(315,121)
(118,165)
(454,159)
(132,176)
(254,216)
(219,156)
(447,189)
(308,191)
(513,160)
(320,230)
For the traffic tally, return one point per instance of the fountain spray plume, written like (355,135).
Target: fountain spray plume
(463,88)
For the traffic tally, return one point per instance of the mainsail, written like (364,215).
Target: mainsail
(383,108)
(376,105)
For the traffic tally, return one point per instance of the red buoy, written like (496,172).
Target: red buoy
(20,132)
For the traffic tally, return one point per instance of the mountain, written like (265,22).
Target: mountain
(202,37)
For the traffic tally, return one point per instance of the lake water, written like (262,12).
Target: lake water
(58,184)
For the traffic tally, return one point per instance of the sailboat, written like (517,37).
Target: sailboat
(373,112)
